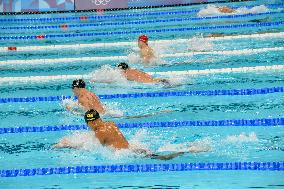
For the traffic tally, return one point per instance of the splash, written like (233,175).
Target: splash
(243,137)
(212,10)
(177,80)
(69,103)
(82,140)
(87,142)
(201,145)
(199,43)
(108,74)
(135,141)
(112,109)
(253,10)
(134,57)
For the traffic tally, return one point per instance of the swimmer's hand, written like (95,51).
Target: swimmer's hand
(69,108)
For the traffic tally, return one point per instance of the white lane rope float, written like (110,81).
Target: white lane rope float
(116,44)
(168,73)
(121,58)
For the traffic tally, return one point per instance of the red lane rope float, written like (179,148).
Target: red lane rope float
(40,36)
(83,18)
(64,26)
(12,48)
(100,11)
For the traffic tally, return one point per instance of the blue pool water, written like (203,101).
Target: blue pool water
(183,42)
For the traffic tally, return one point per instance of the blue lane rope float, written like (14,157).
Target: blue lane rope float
(142,168)
(112,33)
(130,15)
(139,22)
(232,92)
(265,122)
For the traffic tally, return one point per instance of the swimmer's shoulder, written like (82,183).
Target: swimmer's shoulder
(110,123)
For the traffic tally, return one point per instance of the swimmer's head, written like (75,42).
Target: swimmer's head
(143,41)
(123,66)
(91,115)
(143,38)
(79,83)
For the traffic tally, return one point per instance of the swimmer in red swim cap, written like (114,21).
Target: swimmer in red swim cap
(146,52)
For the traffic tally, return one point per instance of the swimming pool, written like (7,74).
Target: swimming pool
(227,93)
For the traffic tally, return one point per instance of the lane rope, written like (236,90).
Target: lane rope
(168,73)
(142,22)
(119,58)
(129,15)
(264,122)
(174,41)
(230,92)
(137,32)
(142,168)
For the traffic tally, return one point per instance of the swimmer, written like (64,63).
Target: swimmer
(109,135)
(139,76)
(226,9)
(86,99)
(216,10)
(146,52)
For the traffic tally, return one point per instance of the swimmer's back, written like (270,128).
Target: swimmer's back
(110,135)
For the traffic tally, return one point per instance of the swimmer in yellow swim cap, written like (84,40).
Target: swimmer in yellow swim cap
(109,135)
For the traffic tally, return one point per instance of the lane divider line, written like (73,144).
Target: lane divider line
(137,32)
(142,168)
(174,41)
(168,73)
(264,122)
(130,15)
(119,58)
(139,22)
(232,92)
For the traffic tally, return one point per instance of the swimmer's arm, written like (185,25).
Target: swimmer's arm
(64,144)
(87,105)
(166,157)
(74,111)
(147,55)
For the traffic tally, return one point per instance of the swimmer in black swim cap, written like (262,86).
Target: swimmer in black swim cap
(86,99)
(123,66)
(79,83)
(139,76)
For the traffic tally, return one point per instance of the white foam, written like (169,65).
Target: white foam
(108,74)
(199,43)
(134,58)
(69,103)
(243,137)
(212,10)
(113,112)
(201,145)
(82,140)
(253,10)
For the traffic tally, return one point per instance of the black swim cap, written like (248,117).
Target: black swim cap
(123,66)
(91,115)
(78,83)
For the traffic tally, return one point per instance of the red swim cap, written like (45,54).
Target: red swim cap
(143,38)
